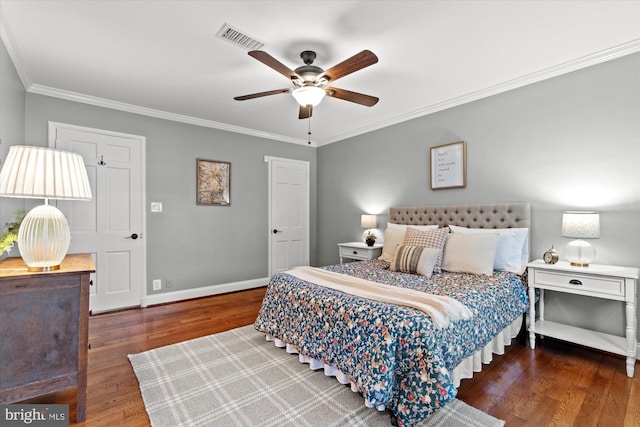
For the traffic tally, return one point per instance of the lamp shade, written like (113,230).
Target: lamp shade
(308,95)
(368,221)
(44,173)
(581,225)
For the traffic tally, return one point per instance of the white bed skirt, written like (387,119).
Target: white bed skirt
(474,363)
(464,370)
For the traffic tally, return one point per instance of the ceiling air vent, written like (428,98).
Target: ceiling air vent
(237,37)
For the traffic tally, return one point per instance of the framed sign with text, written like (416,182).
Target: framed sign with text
(449,166)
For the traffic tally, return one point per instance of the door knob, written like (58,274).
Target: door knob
(133,236)
(276,231)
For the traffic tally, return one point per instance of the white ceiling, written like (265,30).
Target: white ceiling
(162,58)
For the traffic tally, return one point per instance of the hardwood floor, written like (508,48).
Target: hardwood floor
(557,384)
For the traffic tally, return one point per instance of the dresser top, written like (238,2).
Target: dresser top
(72,263)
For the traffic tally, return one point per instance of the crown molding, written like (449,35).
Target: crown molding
(577,64)
(130,108)
(605,55)
(6,34)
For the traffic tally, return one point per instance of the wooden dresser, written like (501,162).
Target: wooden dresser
(44,327)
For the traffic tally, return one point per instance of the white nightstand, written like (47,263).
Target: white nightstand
(359,251)
(599,281)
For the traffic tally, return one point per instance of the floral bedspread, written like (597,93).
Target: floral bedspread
(392,353)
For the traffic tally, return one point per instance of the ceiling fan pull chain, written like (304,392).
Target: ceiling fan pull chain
(309,132)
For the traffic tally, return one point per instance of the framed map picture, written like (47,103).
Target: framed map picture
(213,183)
(449,166)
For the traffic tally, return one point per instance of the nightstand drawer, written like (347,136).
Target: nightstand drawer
(584,283)
(358,251)
(354,253)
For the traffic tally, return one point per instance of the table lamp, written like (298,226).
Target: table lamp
(580,225)
(44,173)
(369,222)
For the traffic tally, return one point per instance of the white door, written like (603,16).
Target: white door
(111,225)
(288,214)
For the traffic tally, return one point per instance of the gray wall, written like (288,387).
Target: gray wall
(571,142)
(11,129)
(193,245)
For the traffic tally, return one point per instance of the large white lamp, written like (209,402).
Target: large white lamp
(580,225)
(44,173)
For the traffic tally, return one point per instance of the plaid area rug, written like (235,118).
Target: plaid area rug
(237,378)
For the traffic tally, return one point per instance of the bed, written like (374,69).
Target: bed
(400,358)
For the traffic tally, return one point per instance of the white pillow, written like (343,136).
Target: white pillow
(392,239)
(470,253)
(512,253)
(394,236)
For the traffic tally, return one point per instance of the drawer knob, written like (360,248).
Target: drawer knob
(355,252)
(575,282)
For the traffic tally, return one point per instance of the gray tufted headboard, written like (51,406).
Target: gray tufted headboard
(497,215)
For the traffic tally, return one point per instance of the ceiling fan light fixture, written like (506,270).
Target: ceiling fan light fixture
(308,95)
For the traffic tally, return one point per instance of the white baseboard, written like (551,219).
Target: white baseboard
(204,291)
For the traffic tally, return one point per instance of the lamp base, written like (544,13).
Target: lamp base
(577,264)
(47,268)
(579,253)
(43,238)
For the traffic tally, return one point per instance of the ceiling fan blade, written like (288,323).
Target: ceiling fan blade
(305,111)
(347,95)
(348,66)
(271,62)
(261,94)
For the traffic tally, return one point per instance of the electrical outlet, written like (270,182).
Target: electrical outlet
(168,283)
(157,284)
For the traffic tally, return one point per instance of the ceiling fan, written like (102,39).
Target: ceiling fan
(311,83)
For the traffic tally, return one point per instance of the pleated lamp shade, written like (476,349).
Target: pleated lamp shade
(44,173)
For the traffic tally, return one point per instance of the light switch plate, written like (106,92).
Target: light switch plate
(156,206)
